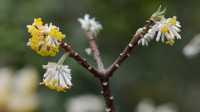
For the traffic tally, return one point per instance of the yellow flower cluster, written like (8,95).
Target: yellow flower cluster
(169,22)
(44,38)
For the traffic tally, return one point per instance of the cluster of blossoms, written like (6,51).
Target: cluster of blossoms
(90,24)
(165,29)
(57,77)
(44,38)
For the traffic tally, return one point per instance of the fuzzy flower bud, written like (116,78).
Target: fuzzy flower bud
(90,24)
(44,38)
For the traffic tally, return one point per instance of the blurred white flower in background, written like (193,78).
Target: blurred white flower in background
(193,47)
(166,108)
(26,81)
(5,85)
(23,103)
(90,24)
(147,105)
(18,91)
(85,103)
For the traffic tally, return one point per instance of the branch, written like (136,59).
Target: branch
(106,92)
(95,51)
(126,52)
(82,61)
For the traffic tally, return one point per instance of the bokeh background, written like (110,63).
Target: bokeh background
(159,72)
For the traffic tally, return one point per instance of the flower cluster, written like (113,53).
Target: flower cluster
(148,105)
(57,77)
(44,38)
(165,29)
(192,49)
(18,91)
(90,24)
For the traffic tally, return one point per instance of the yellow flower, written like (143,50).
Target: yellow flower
(44,38)
(172,20)
(38,21)
(170,42)
(164,28)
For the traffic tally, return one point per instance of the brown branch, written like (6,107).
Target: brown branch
(106,92)
(95,51)
(82,61)
(126,52)
(99,73)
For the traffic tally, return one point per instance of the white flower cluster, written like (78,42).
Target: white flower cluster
(90,24)
(147,105)
(165,30)
(57,76)
(18,90)
(192,49)
(85,103)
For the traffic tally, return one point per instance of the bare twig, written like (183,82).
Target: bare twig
(79,59)
(126,52)
(95,50)
(100,73)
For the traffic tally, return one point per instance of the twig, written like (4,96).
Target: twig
(126,52)
(95,51)
(100,73)
(106,92)
(82,61)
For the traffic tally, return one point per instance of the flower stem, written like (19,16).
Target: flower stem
(62,59)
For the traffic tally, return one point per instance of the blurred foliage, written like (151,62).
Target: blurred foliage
(159,72)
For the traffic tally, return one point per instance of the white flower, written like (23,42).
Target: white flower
(6,83)
(90,24)
(23,103)
(193,47)
(165,30)
(147,105)
(85,103)
(26,81)
(166,108)
(57,76)
(147,38)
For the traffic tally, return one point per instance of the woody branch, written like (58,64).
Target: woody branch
(99,73)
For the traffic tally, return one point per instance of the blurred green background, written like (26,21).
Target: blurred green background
(159,72)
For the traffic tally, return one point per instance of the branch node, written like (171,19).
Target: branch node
(111,98)
(102,92)
(117,65)
(76,54)
(130,45)
(105,83)
(65,44)
(89,68)
(84,60)
(108,109)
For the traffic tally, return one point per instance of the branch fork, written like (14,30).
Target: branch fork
(102,74)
